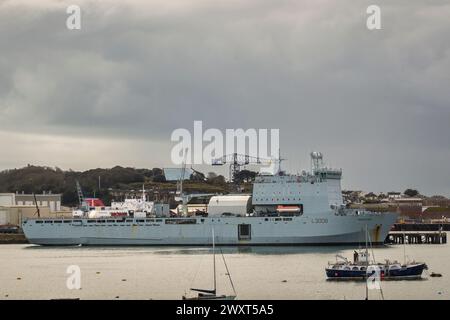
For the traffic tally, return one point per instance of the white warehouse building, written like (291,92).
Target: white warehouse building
(15,207)
(45,200)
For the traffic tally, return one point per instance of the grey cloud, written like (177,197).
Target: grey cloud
(375,102)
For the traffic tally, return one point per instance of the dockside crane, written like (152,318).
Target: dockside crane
(238,161)
(81,200)
(180,193)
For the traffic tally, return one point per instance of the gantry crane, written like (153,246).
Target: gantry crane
(237,161)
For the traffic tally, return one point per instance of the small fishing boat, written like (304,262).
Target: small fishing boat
(363,267)
(359,270)
(211,294)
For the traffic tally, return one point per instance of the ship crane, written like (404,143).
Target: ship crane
(81,200)
(180,195)
(237,161)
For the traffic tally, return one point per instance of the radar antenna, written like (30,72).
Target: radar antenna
(316,161)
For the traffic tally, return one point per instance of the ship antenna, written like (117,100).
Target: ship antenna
(316,161)
(184,198)
(279,161)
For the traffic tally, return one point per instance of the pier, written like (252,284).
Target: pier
(416,237)
(422,226)
(12,238)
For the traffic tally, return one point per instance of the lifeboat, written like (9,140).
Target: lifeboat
(291,209)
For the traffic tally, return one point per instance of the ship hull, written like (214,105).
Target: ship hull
(326,229)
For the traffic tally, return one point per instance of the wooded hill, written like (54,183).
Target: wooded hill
(47,179)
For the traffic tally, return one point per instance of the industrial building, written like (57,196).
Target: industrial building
(52,201)
(15,207)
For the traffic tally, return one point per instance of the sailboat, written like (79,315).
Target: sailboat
(208,294)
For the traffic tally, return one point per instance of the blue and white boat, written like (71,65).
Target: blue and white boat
(360,270)
(363,267)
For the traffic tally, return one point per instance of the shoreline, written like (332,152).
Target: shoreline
(13,238)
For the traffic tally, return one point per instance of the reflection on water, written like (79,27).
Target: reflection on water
(257,250)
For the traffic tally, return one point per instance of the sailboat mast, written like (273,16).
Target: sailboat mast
(228,272)
(367,266)
(214,260)
(404,248)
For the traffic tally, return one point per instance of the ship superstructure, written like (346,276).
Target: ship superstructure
(318,190)
(130,207)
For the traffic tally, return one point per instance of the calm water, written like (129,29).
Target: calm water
(166,273)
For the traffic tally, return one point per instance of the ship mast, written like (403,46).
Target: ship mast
(184,198)
(279,171)
(143,197)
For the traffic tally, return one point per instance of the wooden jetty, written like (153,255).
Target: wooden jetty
(416,237)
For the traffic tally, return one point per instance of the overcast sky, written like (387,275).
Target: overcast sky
(376,103)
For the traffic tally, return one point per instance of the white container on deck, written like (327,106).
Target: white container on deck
(234,204)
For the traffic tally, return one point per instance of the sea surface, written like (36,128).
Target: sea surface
(33,272)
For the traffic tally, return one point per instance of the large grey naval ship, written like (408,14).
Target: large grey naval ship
(283,209)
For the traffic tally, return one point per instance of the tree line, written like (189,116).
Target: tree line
(98,182)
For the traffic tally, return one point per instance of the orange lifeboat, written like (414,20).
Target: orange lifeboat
(291,209)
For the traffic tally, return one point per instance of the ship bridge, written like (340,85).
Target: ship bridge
(313,191)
